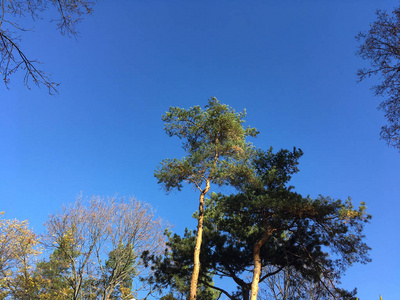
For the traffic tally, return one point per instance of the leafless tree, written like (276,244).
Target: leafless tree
(289,284)
(380,46)
(102,241)
(14,20)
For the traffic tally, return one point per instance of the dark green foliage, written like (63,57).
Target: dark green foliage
(304,230)
(169,296)
(174,269)
(317,238)
(217,153)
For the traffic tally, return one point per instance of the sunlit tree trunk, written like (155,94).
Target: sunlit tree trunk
(257,264)
(196,267)
(215,142)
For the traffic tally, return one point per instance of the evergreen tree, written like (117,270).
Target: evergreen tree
(119,271)
(56,272)
(268,224)
(217,152)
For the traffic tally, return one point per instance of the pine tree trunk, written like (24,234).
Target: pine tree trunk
(257,265)
(196,267)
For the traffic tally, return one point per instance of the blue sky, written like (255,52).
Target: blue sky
(290,64)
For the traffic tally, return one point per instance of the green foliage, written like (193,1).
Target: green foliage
(214,140)
(169,296)
(217,153)
(303,230)
(57,273)
(318,238)
(57,279)
(173,270)
(119,271)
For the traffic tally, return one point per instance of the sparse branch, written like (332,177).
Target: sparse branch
(98,241)
(2,13)
(12,56)
(31,72)
(217,288)
(380,46)
(271,273)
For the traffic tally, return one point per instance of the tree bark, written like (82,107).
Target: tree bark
(196,266)
(257,264)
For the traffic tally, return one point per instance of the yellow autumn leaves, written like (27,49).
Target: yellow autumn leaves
(18,250)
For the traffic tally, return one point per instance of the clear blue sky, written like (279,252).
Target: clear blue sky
(290,64)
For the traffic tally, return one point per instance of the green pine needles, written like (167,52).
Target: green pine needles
(217,153)
(266,232)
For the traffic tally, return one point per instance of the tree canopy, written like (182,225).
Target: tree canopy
(19,247)
(268,228)
(95,248)
(217,153)
(380,47)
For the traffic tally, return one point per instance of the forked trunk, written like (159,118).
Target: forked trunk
(196,267)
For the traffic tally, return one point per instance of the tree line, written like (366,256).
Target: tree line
(267,239)
(89,250)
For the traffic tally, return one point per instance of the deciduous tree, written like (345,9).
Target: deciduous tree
(18,251)
(14,18)
(380,46)
(289,284)
(97,243)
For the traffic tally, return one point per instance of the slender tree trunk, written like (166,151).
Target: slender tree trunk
(196,267)
(106,293)
(257,265)
(77,288)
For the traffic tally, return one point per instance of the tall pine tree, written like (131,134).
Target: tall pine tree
(217,153)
